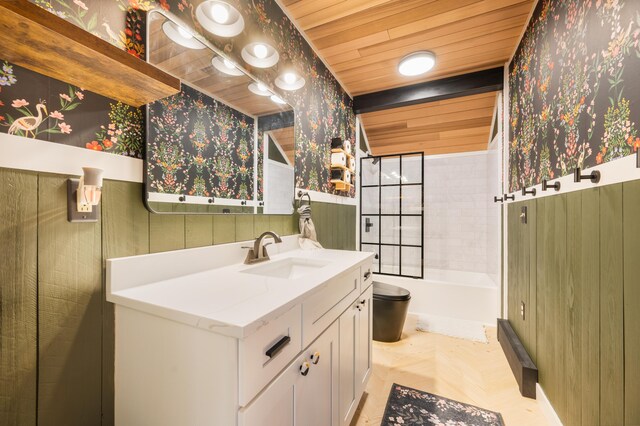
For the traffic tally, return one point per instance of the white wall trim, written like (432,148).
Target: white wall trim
(455,154)
(617,171)
(546,407)
(323,197)
(18,152)
(504,179)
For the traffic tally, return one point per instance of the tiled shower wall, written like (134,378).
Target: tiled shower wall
(459,217)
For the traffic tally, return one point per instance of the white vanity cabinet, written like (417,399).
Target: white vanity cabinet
(304,393)
(355,354)
(284,353)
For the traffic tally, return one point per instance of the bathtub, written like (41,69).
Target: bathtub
(457,295)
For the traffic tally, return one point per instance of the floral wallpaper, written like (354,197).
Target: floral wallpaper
(46,109)
(574,90)
(199,146)
(323,109)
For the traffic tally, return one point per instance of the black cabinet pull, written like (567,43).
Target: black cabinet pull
(367,275)
(280,344)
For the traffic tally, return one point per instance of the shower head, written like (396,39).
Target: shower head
(375,160)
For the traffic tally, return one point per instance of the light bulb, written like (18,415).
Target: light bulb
(220,13)
(184,33)
(290,78)
(277,99)
(229,64)
(260,50)
(262,87)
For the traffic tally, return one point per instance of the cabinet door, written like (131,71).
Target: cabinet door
(348,392)
(275,406)
(364,338)
(316,393)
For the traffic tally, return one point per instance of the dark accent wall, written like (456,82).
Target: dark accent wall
(575,266)
(573,87)
(56,329)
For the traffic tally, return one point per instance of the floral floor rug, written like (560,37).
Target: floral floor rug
(407,406)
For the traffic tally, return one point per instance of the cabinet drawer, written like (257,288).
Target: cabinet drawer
(265,353)
(323,307)
(366,276)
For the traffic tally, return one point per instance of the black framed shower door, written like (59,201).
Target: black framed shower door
(392,213)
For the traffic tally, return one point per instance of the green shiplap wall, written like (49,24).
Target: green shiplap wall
(585,293)
(56,328)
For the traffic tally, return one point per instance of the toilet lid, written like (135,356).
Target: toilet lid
(382,291)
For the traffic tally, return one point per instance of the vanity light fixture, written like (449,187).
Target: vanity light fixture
(181,36)
(290,81)
(220,18)
(225,66)
(277,99)
(83,194)
(259,89)
(260,55)
(220,12)
(417,63)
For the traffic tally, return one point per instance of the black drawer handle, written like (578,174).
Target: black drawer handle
(280,344)
(367,275)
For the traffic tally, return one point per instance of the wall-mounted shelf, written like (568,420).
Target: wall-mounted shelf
(337,166)
(341,185)
(47,44)
(340,150)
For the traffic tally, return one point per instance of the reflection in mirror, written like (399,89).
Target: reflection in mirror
(225,144)
(276,133)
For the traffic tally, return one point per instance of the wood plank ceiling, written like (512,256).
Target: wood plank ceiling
(363,41)
(442,127)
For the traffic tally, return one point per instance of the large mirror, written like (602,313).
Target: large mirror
(225,144)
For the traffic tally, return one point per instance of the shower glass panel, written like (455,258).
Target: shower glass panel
(392,213)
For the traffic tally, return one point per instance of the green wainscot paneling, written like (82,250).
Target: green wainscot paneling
(575,265)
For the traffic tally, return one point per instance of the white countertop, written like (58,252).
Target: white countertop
(221,299)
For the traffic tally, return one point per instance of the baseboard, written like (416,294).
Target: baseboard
(454,327)
(522,366)
(546,407)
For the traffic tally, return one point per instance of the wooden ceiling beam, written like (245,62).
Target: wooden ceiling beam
(446,88)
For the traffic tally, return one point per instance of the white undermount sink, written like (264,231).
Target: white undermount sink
(289,268)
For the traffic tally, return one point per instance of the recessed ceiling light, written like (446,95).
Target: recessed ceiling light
(277,99)
(260,55)
(259,89)
(220,18)
(220,12)
(225,66)
(289,81)
(181,36)
(417,63)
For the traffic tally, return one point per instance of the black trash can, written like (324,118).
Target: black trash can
(390,305)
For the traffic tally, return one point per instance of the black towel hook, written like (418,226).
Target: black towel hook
(546,185)
(594,176)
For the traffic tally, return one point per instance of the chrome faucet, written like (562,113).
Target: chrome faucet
(259,253)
